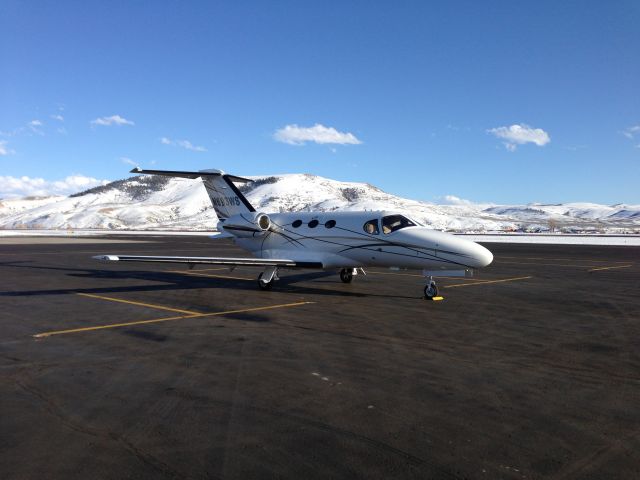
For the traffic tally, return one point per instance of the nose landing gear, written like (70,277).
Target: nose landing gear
(431,289)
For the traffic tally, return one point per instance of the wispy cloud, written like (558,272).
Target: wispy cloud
(4,150)
(14,187)
(520,134)
(112,120)
(631,132)
(60,118)
(34,126)
(575,148)
(453,200)
(182,143)
(128,161)
(296,135)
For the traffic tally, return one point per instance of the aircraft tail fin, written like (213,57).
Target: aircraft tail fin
(225,197)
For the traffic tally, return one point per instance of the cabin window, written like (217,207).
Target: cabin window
(391,223)
(296,224)
(330,224)
(313,223)
(371,227)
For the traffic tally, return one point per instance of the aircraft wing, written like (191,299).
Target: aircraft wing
(232,262)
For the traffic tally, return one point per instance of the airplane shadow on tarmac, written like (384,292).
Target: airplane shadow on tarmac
(180,281)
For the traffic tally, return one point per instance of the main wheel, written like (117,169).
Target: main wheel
(346,275)
(262,285)
(430,291)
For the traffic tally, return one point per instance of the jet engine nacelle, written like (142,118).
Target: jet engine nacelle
(246,224)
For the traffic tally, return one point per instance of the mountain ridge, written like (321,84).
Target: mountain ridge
(153,202)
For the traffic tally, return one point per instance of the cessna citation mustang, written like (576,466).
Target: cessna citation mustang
(345,241)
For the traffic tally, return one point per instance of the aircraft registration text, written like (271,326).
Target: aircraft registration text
(225,201)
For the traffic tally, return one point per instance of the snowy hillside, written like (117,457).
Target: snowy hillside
(148,202)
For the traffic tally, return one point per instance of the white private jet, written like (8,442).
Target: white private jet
(345,241)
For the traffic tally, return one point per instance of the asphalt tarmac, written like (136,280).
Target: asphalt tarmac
(530,370)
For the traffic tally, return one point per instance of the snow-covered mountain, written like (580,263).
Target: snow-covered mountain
(150,202)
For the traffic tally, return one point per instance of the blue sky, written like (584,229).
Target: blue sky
(504,102)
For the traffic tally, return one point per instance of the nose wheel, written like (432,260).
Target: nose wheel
(431,289)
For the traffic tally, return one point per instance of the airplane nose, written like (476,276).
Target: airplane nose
(482,256)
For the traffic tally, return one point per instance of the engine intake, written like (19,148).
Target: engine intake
(247,225)
(264,222)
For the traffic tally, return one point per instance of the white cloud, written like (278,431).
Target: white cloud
(128,161)
(112,120)
(453,200)
(519,134)
(4,150)
(512,147)
(14,187)
(631,131)
(575,148)
(296,135)
(33,126)
(182,143)
(60,118)
(189,146)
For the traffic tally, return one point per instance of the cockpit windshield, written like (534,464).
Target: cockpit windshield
(391,223)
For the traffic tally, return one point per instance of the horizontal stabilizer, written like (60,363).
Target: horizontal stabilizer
(225,197)
(186,174)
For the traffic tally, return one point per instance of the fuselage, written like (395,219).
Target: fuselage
(354,239)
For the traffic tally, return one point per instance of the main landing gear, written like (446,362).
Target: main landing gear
(346,274)
(266,278)
(431,289)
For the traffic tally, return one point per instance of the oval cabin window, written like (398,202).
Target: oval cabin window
(330,224)
(296,224)
(313,223)
(371,227)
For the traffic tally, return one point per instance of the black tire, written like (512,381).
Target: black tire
(430,291)
(346,275)
(264,286)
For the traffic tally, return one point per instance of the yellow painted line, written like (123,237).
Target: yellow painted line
(113,325)
(167,319)
(555,259)
(437,299)
(545,264)
(210,275)
(149,305)
(609,268)
(484,282)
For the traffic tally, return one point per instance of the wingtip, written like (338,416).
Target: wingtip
(135,170)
